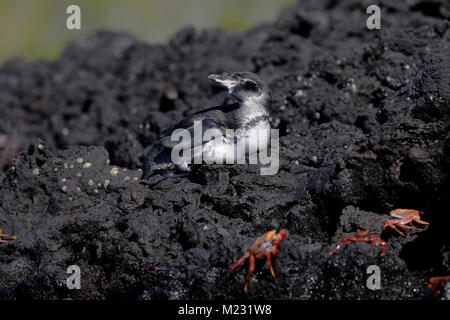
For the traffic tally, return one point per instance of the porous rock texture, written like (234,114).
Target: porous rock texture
(363,116)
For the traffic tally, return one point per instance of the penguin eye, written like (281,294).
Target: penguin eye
(251,85)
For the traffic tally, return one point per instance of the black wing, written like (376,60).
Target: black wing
(189,126)
(214,119)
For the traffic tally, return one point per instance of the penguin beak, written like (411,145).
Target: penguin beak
(224,81)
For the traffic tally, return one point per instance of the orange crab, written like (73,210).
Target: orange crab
(402,218)
(437,282)
(2,235)
(362,236)
(263,247)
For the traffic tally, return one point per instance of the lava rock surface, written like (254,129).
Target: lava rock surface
(363,116)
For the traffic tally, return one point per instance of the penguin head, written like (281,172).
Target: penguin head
(243,86)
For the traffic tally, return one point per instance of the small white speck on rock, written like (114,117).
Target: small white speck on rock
(87,165)
(171,94)
(299,93)
(114,171)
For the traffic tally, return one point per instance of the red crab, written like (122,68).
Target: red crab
(437,282)
(262,248)
(362,236)
(2,235)
(402,218)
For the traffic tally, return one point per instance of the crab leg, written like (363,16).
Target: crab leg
(393,227)
(341,244)
(409,227)
(2,235)
(251,269)
(420,221)
(383,248)
(8,236)
(242,259)
(335,249)
(381,243)
(269,261)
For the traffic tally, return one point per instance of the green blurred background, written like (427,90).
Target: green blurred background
(36,29)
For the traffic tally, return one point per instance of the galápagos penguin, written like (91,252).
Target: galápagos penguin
(248,117)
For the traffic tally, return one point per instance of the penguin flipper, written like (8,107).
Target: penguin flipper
(189,137)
